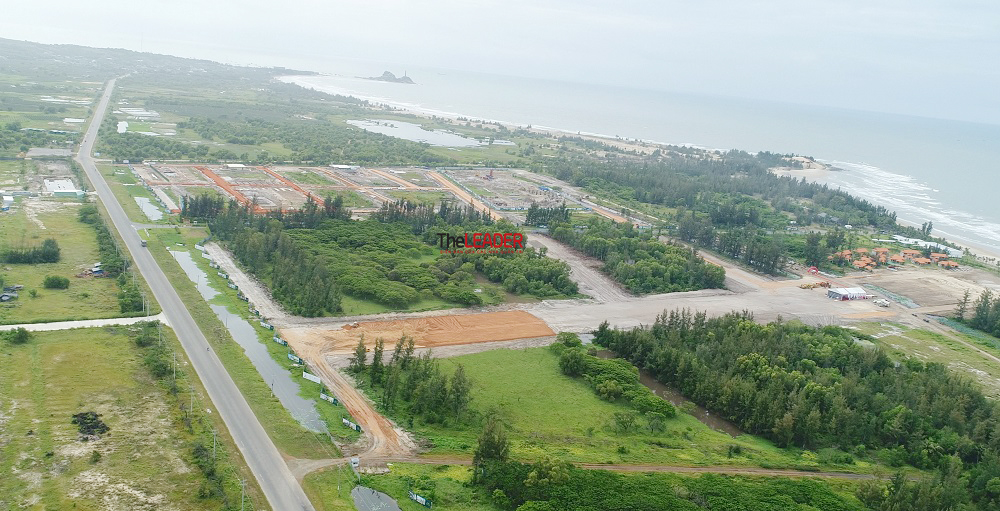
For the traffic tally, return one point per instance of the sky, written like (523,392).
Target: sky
(916,57)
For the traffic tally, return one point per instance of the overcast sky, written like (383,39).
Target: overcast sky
(931,58)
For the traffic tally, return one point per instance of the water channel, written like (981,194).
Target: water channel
(277,376)
(704,416)
(149,208)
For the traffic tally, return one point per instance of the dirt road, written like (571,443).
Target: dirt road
(585,271)
(258,295)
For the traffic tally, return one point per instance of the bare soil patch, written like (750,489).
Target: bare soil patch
(426,332)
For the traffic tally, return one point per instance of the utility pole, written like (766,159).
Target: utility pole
(214,435)
(243,492)
(191,406)
(175,365)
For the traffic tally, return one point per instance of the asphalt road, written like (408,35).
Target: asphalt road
(280,488)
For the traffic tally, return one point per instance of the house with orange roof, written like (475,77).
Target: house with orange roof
(881,250)
(922,260)
(937,256)
(897,259)
(949,265)
(910,253)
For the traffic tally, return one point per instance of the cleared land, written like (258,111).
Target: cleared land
(141,464)
(426,332)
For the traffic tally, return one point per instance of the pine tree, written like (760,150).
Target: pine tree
(493,444)
(459,394)
(357,365)
(377,366)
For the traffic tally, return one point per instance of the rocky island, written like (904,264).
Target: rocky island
(389,77)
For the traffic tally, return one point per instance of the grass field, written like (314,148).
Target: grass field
(306,177)
(422,197)
(144,461)
(548,413)
(901,340)
(86,298)
(290,438)
(126,188)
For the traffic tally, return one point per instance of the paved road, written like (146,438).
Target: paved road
(283,493)
(86,323)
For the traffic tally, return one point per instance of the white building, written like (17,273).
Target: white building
(847,293)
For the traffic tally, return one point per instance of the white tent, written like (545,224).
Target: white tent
(847,293)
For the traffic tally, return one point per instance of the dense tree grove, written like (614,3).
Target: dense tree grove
(296,277)
(722,185)
(415,385)
(818,387)
(640,261)
(47,252)
(750,245)
(537,215)
(985,312)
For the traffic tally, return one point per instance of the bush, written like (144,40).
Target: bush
(90,423)
(19,336)
(55,282)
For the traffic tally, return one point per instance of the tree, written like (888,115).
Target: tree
(357,363)
(625,421)
(657,422)
(493,444)
(814,253)
(963,306)
(377,367)
(569,339)
(459,394)
(572,362)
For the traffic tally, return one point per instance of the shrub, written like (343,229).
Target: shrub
(56,282)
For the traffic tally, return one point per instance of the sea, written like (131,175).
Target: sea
(927,170)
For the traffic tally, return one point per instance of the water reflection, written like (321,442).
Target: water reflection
(276,376)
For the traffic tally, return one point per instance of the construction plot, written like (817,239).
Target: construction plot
(501,190)
(426,332)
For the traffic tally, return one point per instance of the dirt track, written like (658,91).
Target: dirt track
(259,296)
(583,270)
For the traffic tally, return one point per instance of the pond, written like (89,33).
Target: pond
(703,415)
(276,375)
(415,133)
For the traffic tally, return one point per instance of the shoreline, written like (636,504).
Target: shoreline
(813,171)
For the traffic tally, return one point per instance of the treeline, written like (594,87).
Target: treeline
(537,215)
(753,246)
(638,260)
(819,387)
(320,142)
(47,252)
(414,385)
(715,183)
(296,277)
(112,261)
(985,312)
(14,140)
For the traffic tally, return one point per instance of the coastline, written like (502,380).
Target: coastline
(813,171)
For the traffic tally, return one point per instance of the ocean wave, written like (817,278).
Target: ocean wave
(913,203)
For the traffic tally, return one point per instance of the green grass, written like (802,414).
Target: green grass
(445,485)
(901,341)
(330,489)
(306,177)
(86,298)
(126,188)
(548,413)
(57,374)
(288,435)
(420,197)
